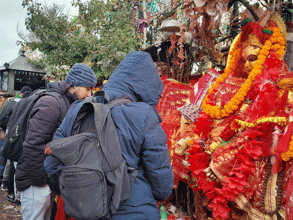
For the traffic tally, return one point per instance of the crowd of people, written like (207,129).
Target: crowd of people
(232,143)
(7,166)
(32,181)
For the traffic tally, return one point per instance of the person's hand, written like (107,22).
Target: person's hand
(2,135)
(47,151)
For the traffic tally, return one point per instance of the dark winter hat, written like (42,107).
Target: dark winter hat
(25,89)
(26,94)
(81,75)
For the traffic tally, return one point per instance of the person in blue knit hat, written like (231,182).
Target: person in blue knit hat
(82,79)
(45,117)
(142,138)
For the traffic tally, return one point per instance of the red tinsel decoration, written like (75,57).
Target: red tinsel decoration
(236,181)
(203,125)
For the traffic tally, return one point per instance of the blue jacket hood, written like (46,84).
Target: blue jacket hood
(136,78)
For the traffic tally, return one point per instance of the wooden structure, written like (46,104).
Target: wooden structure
(18,73)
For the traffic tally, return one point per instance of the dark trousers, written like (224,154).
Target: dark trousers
(11,180)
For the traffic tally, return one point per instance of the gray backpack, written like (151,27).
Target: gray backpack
(94,180)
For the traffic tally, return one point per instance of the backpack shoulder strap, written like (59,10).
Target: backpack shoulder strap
(117,102)
(107,133)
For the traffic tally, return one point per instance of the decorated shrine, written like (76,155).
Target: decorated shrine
(230,135)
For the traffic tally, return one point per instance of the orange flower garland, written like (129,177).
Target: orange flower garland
(276,43)
(288,154)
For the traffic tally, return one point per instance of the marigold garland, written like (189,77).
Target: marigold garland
(220,195)
(288,154)
(276,43)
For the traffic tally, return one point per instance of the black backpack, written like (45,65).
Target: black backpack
(7,111)
(94,179)
(17,125)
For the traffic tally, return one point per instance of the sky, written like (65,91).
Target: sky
(12,13)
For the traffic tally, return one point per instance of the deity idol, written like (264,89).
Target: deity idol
(240,152)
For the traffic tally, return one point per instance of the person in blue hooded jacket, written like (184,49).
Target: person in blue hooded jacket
(142,139)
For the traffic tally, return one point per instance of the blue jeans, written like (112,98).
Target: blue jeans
(36,203)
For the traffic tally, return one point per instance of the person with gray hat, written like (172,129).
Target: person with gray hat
(44,119)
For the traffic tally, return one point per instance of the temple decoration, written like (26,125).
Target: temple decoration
(235,135)
(276,43)
(247,109)
(175,95)
(277,120)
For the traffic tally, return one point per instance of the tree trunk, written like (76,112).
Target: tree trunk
(288,57)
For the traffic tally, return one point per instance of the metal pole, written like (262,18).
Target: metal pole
(144,29)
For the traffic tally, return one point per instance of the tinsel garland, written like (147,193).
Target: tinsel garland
(234,184)
(277,120)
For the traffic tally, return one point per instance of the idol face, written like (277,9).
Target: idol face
(249,57)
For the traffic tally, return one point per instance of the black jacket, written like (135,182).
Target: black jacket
(42,124)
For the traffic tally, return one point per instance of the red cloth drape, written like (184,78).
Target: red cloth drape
(60,215)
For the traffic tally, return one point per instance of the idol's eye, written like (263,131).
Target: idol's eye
(252,58)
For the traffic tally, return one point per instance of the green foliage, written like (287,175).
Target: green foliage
(99,35)
(115,30)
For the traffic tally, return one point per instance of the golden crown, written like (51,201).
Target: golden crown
(277,19)
(252,41)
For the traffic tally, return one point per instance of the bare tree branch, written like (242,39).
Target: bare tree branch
(247,5)
(20,33)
